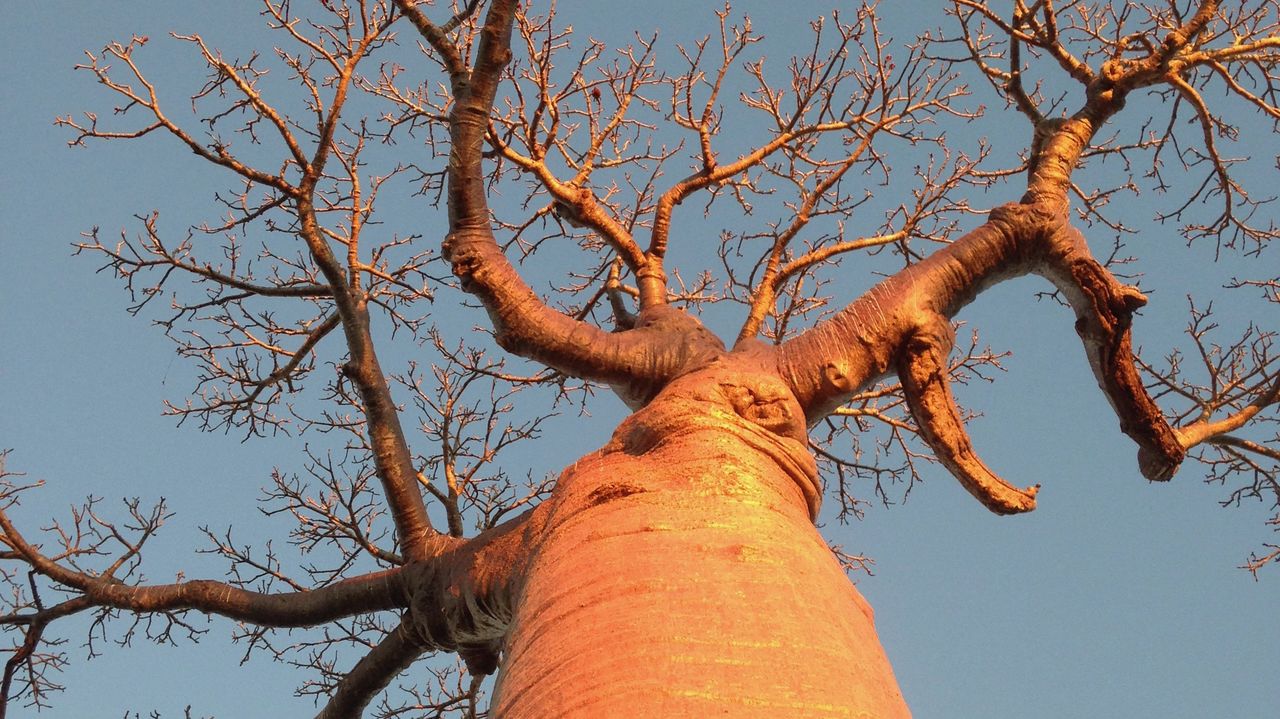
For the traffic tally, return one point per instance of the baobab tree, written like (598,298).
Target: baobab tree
(675,571)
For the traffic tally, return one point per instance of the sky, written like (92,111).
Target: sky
(1116,598)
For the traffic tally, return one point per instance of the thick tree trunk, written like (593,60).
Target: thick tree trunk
(680,573)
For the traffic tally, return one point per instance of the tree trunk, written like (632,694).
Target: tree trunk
(680,573)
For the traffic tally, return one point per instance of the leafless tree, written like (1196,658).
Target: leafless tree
(284,301)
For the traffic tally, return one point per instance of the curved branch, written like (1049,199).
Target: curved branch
(829,363)
(438,37)
(923,370)
(1044,36)
(1226,440)
(460,600)
(714,174)
(327,325)
(637,361)
(1218,432)
(775,274)
(578,205)
(1013,86)
(246,88)
(36,623)
(394,461)
(1234,86)
(1104,312)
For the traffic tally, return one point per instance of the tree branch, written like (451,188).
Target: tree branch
(637,362)
(922,366)
(386,436)
(829,363)
(375,670)
(371,592)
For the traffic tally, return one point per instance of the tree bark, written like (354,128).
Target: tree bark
(680,574)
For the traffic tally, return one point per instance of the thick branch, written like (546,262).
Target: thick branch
(458,600)
(922,366)
(637,361)
(857,345)
(829,363)
(375,670)
(1106,92)
(1104,311)
(464,601)
(390,450)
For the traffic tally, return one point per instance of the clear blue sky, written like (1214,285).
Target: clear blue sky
(1115,599)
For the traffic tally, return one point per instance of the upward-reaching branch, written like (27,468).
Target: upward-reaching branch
(881,332)
(636,361)
(334,276)
(1031,238)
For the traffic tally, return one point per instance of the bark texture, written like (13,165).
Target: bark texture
(680,573)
